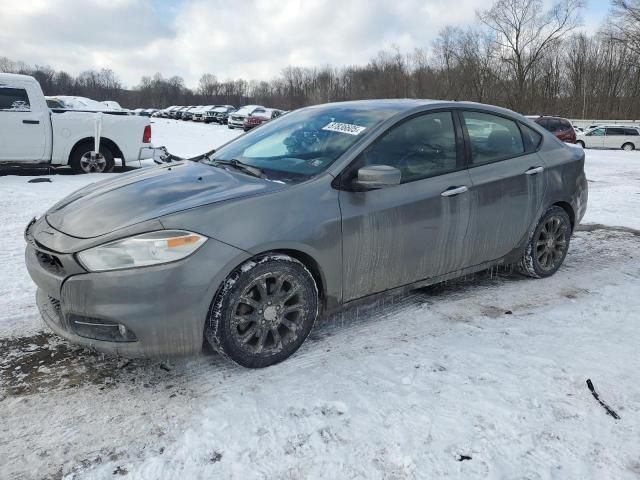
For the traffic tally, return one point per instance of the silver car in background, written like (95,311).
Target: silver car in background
(318,209)
(610,136)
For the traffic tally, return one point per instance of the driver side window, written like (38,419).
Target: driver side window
(421,147)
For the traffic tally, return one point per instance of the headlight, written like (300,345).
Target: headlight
(151,248)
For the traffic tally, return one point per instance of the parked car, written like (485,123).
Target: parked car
(177,113)
(187,114)
(560,127)
(147,112)
(166,112)
(81,104)
(236,119)
(219,114)
(626,138)
(199,114)
(36,131)
(380,196)
(260,116)
(112,104)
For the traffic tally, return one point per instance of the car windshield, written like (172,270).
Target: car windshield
(305,142)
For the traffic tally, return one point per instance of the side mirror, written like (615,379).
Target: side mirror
(378,176)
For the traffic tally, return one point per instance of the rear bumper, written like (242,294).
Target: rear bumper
(158,154)
(151,311)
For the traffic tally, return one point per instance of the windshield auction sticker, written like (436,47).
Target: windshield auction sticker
(344,128)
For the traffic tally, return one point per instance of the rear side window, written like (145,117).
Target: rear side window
(531,138)
(565,125)
(553,125)
(543,122)
(631,131)
(14,100)
(615,131)
(492,137)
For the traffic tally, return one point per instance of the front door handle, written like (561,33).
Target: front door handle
(31,122)
(534,170)
(452,191)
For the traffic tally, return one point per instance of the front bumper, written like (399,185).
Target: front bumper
(236,123)
(151,311)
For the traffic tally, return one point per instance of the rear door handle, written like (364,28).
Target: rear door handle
(534,170)
(31,122)
(452,191)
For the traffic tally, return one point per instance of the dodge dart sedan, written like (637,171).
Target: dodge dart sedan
(318,209)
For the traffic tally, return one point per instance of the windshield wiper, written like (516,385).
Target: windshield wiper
(238,165)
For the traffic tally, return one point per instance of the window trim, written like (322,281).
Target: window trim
(344,181)
(467,140)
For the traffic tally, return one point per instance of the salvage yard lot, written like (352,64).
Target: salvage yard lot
(478,378)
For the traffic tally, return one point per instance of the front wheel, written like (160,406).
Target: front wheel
(580,143)
(263,312)
(548,244)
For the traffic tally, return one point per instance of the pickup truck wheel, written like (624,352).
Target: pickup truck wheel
(263,312)
(81,160)
(548,244)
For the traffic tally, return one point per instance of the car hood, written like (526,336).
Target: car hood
(149,193)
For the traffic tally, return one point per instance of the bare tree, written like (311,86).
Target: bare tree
(624,27)
(208,85)
(524,32)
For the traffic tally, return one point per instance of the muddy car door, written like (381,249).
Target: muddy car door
(403,233)
(508,184)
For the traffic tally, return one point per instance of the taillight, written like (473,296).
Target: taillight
(146,136)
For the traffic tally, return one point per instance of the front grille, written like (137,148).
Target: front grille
(50,263)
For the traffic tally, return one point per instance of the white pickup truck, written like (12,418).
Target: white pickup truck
(31,133)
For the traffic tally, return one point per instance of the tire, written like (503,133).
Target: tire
(580,143)
(628,147)
(230,127)
(246,321)
(83,149)
(548,244)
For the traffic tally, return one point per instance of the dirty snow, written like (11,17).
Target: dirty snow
(479,378)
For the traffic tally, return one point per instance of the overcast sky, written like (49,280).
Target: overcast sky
(252,39)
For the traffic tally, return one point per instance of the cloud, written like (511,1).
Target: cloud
(252,39)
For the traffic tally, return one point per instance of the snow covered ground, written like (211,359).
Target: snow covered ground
(479,378)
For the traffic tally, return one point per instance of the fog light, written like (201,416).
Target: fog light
(100,329)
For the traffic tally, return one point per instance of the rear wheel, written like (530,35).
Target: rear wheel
(84,160)
(548,244)
(263,312)
(628,147)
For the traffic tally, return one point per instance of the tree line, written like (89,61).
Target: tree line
(519,55)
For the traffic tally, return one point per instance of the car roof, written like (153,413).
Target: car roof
(401,105)
(17,76)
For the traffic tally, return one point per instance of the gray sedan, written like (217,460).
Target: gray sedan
(321,208)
